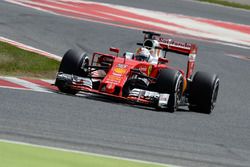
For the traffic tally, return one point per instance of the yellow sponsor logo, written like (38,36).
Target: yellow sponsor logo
(150,69)
(119,70)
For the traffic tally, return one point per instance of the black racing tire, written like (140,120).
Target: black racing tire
(203,92)
(73,62)
(171,82)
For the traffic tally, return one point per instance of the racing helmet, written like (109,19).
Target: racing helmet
(142,54)
(151,44)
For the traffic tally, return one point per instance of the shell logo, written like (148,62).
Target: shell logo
(119,70)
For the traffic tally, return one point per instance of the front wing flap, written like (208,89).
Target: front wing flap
(73,80)
(159,99)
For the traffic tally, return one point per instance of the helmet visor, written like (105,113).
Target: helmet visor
(141,57)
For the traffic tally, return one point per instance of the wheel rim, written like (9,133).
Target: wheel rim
(214,95)
(179,92)
(85,65)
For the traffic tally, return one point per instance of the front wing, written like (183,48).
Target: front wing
(139,96)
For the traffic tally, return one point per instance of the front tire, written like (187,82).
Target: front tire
(203,92)
(75,63)
(171,82)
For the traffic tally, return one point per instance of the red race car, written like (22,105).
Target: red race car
(144,77)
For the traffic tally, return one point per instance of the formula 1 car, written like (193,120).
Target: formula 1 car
(123,77)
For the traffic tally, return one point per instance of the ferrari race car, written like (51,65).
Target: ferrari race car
(139,81)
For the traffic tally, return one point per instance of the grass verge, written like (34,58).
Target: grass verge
(18,155)
(18,62)
(228,3)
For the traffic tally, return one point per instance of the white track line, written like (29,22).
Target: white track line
(204,30)
(10,87)
(30,48)
(26,84)
(48,81)
(193,27)
(84,153)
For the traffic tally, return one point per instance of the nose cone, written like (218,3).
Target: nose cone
(110,88)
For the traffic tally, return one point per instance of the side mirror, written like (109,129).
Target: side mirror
(162,60)
(128,55)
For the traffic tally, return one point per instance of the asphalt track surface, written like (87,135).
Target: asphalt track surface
(103,126)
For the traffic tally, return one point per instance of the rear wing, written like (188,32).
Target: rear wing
(175,46)
(170,45)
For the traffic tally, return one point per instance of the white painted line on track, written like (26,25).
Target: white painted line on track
(239,56)
(26,84)
(30,86)
(10,87)
(137,18)
(165,23)
(204,30)
(86,153)
(30,48)
(48,81)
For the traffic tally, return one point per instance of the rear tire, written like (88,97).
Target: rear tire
(73,62)
(171,82)
(203,92)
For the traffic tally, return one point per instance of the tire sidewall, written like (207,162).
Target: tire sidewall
(202,92)
(169,81)
(72,62)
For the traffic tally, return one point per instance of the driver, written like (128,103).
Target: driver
(143,54)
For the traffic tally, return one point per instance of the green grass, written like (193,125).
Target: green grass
(18,155)
(17,62)
(227,3)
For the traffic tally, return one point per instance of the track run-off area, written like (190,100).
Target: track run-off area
(141,19)
(33,111)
